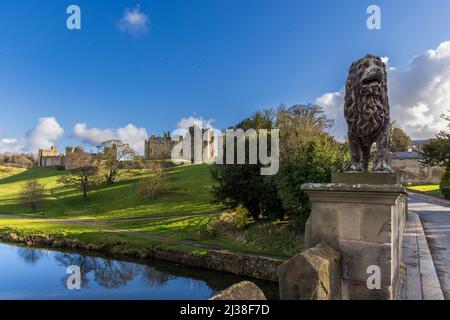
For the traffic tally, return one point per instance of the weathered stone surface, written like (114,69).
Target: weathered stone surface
(365,223)
(324,227)
(365,178)
(311,275)
(366,110)
(244,290)
(357,290)
(357,189)
(376,224)
(357,256)
(350,221)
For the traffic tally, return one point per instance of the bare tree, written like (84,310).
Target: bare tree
(154,185)
(84,173)
(32,194)
(113,157)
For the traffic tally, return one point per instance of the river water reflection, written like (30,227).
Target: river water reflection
(27,273)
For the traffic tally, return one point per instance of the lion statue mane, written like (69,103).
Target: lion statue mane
(366,111)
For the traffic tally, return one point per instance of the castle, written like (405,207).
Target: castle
(51,158)
(160,148)
(156,148)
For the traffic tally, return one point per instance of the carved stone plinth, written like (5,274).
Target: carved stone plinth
(364,222)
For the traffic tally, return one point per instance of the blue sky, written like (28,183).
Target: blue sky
(213,59)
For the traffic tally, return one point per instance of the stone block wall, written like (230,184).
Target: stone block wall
(365,224)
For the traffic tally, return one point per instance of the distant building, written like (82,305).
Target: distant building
(158,148)
(51,158)
(411,171)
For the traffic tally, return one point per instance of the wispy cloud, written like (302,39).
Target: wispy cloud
(134,22)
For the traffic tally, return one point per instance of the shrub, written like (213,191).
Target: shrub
(229,223)
(154,185)
(445,183)
(281,238)
(223,226)
(241,218)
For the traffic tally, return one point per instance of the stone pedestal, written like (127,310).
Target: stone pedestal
(364,222)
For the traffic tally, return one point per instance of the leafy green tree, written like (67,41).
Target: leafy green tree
(307,154)
(114,156)
(310,159)
(84,174)
(436,152)
(400,141)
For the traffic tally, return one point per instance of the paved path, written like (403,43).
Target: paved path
(435,217)
(422,282)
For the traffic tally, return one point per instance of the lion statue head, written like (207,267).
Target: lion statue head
(366,110)
(366,101)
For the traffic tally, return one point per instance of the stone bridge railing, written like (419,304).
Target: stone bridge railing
(355,231)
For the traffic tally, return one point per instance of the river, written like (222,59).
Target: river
(31,273)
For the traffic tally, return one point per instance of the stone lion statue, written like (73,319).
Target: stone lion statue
(366,111)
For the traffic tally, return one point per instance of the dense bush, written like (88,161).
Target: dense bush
(307,154)
(445,183)
(311,159)
(243,185)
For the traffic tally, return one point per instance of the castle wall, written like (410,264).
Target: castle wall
(159,148)
(53,161)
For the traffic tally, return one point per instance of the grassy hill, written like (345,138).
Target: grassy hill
(115,216)
(189,194)
(9,171)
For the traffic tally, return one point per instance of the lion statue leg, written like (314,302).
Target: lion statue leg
(355,154)
(365,152)
(381,162)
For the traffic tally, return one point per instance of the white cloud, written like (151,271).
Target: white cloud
(333,105)
(134,136)
(418,95)
(46,134)
(185,123)
(134,21)
(91,136)
(130,134)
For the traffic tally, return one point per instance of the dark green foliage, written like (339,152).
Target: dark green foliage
(400,141)
(445,183)
(311,159)
(307,154)
(243,184)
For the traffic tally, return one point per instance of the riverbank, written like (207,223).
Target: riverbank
(123,246)
(117,222)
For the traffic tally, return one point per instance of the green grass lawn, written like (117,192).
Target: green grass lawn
(189,194)
(432,189)
(85,236)
(9,171)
